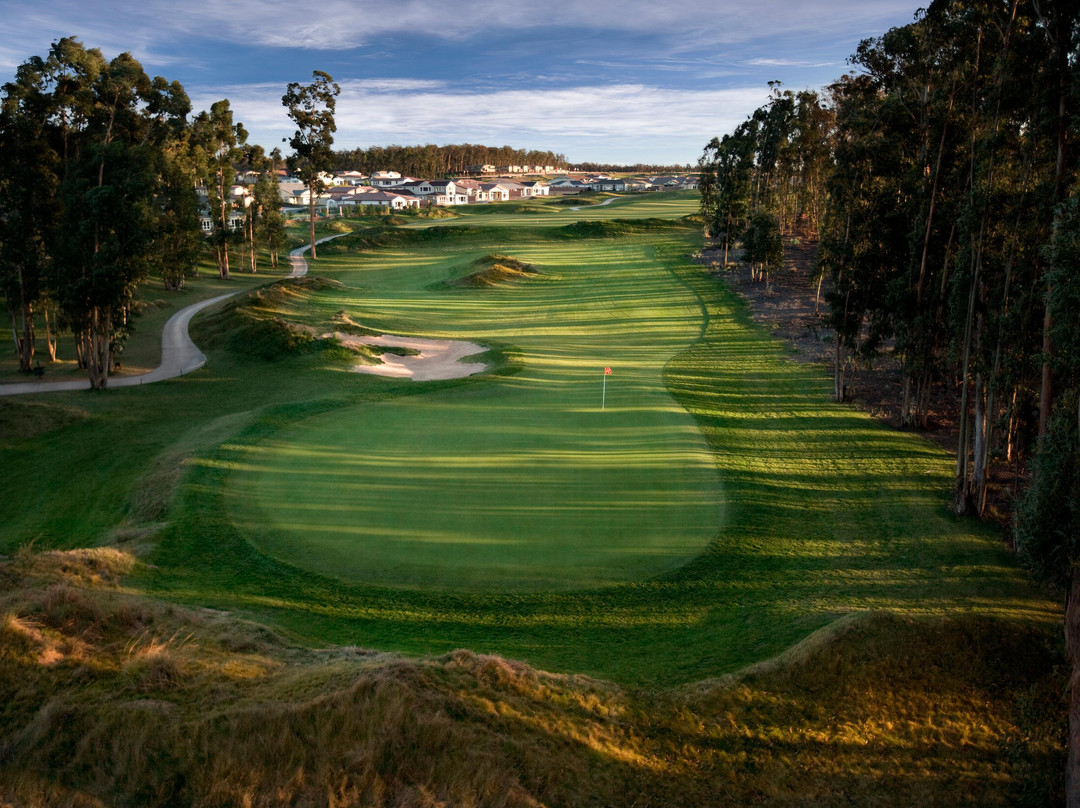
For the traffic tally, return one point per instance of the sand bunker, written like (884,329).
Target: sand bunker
(437,359)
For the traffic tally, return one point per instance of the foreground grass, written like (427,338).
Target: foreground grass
(107,698)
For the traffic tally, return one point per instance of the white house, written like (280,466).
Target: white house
(607,184)
(534,188)
(388,199)
(496,191)
(349,178)
(386,179)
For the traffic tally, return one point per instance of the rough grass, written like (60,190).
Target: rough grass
(613,228)
(110,698)
(494,270)
(252,325)
(431,213)
(572,201)
(383,236)
(24,419)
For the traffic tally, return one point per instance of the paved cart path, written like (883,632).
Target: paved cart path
(179,355)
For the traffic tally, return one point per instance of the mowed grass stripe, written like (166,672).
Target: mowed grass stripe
(819,521)
(528,484)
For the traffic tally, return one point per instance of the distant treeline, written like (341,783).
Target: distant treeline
(635,168)
(438,161)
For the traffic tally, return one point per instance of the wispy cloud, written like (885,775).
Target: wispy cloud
(337,24)
(786,63)
(603,121)
(564,74)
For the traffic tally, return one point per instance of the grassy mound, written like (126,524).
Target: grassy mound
(574,201)
(22,420)
(520,208)
(613,228)
(434,212)
(346,324)
(110,698)
(495,270)
(373,238)
(253,325)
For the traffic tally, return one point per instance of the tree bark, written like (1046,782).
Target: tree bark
(981,443)
(25,343)
(50,337)
(99,343)
(960,502)
(1046,386)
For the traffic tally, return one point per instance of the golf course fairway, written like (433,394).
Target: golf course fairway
(707,510)
(558,477)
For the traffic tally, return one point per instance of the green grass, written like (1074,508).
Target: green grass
(822,512)
(524,483)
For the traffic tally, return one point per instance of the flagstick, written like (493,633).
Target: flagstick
(603,397)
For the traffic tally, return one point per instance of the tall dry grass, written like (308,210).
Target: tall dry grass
(107,698)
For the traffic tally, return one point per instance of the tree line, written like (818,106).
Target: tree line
(439,161)
(634,168)
(105,178)
(940,180)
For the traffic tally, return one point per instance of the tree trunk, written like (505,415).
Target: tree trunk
(50,338)
(99,355)
(964,437)
(27,347)
(251,243)
(14,329)
(906,414)
(311,219)
(930,213)
(25,344)
(1047,382)
(922,415)
(981,443)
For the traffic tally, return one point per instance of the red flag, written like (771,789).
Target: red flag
(607,371)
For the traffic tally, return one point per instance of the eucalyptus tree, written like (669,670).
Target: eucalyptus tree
(311,107)
(864,232)
(108,196)
(776,155)
(1048,517)
(222,141)
(270,223)
(28,213)
(763,247)
(177,232)
(727,167)
(811,145)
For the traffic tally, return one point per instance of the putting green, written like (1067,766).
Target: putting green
(511,483)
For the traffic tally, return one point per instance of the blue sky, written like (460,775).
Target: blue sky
(617,81)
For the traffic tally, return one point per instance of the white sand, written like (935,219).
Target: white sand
(438,358)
